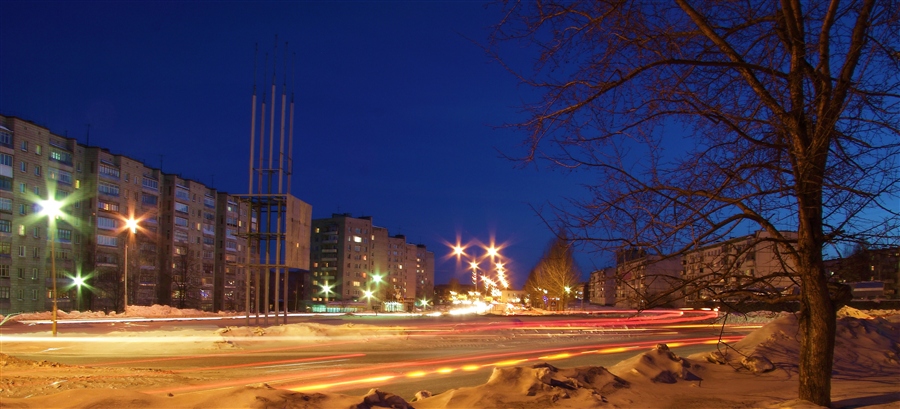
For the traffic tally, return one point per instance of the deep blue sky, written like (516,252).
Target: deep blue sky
(398,110)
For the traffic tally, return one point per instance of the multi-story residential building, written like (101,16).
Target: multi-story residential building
(352,257)
(340,257)
(116,193)
(187,249)
(602,286)
(645,280)
(172,251)
(871,273)
(36,165)
(424,274)
(754,263)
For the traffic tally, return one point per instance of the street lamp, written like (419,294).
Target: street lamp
(78,281)
(52,209)
(367,294)
(132,226)
(326,289)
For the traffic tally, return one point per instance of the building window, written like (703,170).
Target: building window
(106,240)
(108,189)
(5,249)
(22,251)
(182,194)
(181,222)
(37,149)
(6,226)
(6,139)
(109,207)
(60,176)
(62,157)
(182,208)
(149,199)
(4,270)
(150,184)
(108,171)
(25,146)
(106,223)
(4,293)
(64,235)
(23,167)
(23,187)
(37,170)
(36,232)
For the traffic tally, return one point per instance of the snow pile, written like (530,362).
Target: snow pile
(853,313)
(657,365)
(311,331)
(154,311)
(863,347)
(540,386)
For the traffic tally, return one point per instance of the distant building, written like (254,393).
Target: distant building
(602,287)
(871,273)
(754,262)
(646,280)
(352,257)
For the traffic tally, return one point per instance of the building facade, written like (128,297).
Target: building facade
(753,264)
(170,258)
(360,262)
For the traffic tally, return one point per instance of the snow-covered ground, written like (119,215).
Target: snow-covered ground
(759,371)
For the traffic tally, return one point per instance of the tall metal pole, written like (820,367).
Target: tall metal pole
(125,278)
(53,272)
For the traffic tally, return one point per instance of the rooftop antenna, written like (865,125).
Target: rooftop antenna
(88,134)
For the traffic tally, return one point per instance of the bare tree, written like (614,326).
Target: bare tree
(556,273)
(186,282)
(705,118)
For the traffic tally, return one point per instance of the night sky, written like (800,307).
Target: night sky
(399,111)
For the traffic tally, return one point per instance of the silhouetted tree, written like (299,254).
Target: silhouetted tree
(703,118)
(556,274)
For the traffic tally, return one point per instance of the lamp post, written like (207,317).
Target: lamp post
(52,209)
(376,278)
(131,225)
(367,294)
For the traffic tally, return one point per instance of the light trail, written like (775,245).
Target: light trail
(535,355)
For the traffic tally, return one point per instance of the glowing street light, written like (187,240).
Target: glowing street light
(326,289)
(52,209)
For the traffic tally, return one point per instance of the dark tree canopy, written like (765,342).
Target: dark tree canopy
(705,119)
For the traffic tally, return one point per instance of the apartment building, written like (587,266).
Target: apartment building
(752,263)
(646,280)
(602,286)
(352,256)
(872,273)
(424,274)
(36,165)
(170,256)
(340,260)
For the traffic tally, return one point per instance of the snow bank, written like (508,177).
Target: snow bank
(657,365)
(863,346)
(540,386)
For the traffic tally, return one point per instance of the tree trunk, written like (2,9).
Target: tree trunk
(818,319)
(818,323)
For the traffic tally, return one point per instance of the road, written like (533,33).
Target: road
(433,353)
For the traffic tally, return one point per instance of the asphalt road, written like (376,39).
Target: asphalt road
(436,354)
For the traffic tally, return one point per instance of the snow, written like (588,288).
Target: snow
(758,371)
